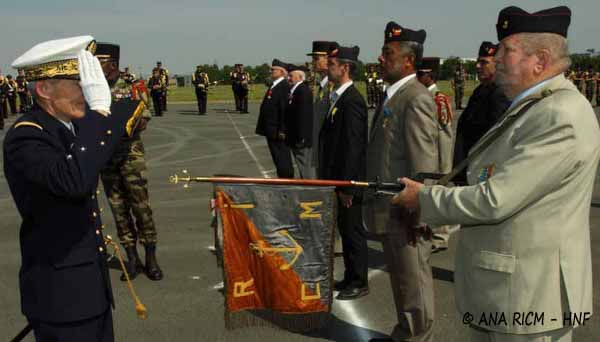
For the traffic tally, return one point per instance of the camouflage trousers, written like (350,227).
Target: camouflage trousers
(126,188)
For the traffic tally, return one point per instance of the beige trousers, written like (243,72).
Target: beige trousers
(412,284)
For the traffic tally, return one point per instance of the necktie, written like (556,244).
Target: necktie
(333,98)
(385,97)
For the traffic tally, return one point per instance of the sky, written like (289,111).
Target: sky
(185,33)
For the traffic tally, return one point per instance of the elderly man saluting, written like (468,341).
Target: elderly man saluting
(524,245)
(52,160)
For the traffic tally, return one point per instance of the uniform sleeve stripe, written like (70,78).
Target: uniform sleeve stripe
(28,123)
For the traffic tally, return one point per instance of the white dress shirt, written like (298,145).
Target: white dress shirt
(294,88)
(528,92)
(338,93)
(276,82)
(392,89)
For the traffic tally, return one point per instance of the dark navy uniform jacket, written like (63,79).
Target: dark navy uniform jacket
(53,177)
(299,117)
(271,119)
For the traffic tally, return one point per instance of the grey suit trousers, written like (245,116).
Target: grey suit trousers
(412,283)
(303,158)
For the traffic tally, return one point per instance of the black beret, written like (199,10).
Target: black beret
(512,20)
(343,52)
(487,49)
(280,64)
(397,33)
(321,47)
(107,50)
(429,64)
(292,67)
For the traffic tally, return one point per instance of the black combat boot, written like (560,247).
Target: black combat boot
(134,264)
(153,271)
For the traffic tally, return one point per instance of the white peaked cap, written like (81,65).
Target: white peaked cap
(54,58)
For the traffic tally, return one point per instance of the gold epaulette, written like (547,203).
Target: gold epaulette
(132,122)
(28,123)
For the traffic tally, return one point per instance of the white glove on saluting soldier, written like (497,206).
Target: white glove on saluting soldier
(93,83)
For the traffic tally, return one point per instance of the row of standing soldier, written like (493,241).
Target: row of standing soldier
(10,90)
(588,80)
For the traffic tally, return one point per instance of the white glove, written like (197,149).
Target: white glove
(93,83)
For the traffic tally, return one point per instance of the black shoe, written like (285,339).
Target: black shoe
(153,271)
(340,285)
(134,264)
(351,292)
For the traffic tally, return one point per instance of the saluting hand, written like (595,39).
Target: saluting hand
(93,83)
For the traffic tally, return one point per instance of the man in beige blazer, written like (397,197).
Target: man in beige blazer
(524,245)
(404,139)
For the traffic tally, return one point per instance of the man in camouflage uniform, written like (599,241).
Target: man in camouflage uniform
(201,82)
(125,182)
(164,76)
(458,84)
(589,84)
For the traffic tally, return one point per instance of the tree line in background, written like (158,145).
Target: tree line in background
(262,73)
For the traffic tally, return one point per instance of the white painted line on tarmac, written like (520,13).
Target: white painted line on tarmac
(250,136)
(262,170)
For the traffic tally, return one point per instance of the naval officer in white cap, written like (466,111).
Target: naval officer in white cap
(52,159)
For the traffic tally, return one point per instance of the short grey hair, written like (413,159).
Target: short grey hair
(301,73)
(412,48)
(556,44)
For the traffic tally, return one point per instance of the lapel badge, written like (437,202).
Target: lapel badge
(487,172)
(333,111)
(387,112)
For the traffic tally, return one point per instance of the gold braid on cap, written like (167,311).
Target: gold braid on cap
(65,69)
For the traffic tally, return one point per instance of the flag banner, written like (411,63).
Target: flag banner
(277,251)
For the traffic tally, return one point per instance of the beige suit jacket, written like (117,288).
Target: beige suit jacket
(525,215)
(404,140)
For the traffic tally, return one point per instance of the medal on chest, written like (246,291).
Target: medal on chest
(387,114)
